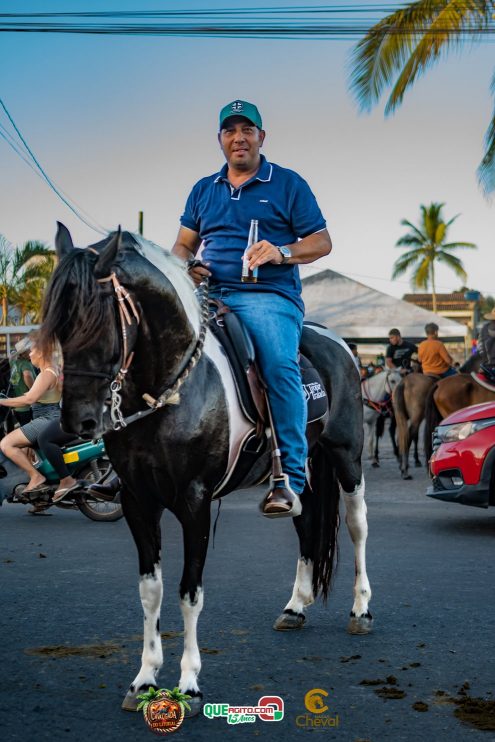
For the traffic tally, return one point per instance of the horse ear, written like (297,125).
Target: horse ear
(63,241)
(108,255)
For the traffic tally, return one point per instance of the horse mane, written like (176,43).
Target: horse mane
(76,312)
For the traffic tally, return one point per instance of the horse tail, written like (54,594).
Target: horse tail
(380,426)
(432,419)
(325,520)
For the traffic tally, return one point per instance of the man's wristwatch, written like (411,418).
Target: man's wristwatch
(286,253)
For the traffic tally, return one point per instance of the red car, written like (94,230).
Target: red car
(463,462)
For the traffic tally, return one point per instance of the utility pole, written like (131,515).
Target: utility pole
(141,222)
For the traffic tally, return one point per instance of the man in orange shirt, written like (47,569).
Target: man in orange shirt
(433,355)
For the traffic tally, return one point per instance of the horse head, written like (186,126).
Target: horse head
(118,318)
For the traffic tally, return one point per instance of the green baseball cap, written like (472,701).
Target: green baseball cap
(241,108)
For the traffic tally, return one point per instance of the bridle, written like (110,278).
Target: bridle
(129,316)
(381,407)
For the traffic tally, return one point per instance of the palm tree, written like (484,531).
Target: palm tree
(404,44)
(429,245)
(24,273)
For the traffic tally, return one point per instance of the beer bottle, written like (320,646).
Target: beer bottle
(248,275)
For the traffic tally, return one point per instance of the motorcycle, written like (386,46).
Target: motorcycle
(86,460)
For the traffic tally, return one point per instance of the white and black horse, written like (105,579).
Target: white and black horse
(130,324)
(377,400)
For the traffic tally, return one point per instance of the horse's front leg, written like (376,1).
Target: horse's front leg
(145,527)
(357,524)
(195,521)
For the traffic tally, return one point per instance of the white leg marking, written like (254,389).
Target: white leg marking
(355,518)
(190,663)
(302,594)
(151,591)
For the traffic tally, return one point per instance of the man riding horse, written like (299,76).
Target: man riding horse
(486,346)
(218,212)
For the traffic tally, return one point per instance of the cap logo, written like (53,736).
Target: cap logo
(237,106)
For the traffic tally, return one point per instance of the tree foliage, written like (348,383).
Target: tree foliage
(406,43)
(24,273)
(427,245)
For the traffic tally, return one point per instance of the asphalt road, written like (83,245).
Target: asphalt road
(71,623)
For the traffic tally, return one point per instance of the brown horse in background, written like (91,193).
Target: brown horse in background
(447,396)
(408,400)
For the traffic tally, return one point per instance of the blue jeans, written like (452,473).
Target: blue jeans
(449,372)
(275,326)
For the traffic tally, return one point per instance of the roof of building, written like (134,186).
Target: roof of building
(356,311)
(445,302)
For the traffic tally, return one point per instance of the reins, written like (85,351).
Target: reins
(128,316)
(381,407)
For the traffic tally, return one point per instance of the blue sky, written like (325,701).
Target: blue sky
(124,124)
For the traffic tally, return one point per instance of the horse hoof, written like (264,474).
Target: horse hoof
(375,465)
(196,704)
(418,464)
(287,621)
(130,702)
(406,477)
(360,624)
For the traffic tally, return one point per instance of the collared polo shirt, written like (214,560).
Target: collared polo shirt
(285,208)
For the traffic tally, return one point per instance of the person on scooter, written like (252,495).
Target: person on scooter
(44,399)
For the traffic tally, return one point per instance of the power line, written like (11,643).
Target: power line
(52,185)
(316,22)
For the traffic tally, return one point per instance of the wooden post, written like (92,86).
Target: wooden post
(141,223)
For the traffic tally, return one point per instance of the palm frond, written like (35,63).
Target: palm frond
(441,27)
(455,245)
(421,277)
(409,239)
(407,42)
(407,223)
(404,262)
(486,169)
(453,262)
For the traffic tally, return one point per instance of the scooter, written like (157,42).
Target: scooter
(86,461)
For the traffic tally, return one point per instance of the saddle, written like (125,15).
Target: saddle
(228,328)
(485,377)
(238,346)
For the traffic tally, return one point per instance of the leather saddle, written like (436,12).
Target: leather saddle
(238,346)
(251,392)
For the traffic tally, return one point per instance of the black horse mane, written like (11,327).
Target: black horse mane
(77,311)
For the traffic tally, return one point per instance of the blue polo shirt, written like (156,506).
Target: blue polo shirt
(285,208)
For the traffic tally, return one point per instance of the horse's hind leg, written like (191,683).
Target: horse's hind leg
(355,517)
(302,594)
(195,521)
(145,528)
(417,460)
(392,429)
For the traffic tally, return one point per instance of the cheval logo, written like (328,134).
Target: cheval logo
(237,106)
(268,708)
(313,700)
(315,703)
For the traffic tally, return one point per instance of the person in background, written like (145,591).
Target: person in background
(433,355)
(486,345)
(44,400)
(354,351)
(399,351)
(22,376)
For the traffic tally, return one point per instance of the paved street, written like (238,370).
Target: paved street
(71,623)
